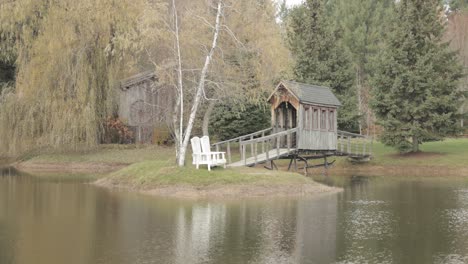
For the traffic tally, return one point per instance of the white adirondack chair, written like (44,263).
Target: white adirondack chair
(202,154)
(196,151)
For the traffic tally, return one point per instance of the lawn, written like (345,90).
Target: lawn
(160,173)
(155,164)
(127,154)
(450,153)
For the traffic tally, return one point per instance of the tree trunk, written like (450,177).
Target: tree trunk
(415,144)
(178,115)
(200,89)
(206,118)
(359,95)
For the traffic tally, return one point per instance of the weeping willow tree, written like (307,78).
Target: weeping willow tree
(69,56)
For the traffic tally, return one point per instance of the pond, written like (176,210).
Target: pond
(48,220)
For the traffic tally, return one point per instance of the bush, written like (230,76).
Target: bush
(116,132)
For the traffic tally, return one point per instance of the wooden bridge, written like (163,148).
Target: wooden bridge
(304,127)
(266,147)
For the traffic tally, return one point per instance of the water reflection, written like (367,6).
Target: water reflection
(375,220)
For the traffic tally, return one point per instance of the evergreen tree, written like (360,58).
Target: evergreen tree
(319,59)
(415,85)
(231,120)
(362,26)
(455,5)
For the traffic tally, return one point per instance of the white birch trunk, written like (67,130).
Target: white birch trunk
(179,104)
(201,86)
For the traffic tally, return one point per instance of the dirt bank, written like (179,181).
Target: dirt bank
(393,170)
(227,191)
(71,167)
(386,170)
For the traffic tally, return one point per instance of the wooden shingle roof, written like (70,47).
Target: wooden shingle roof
(137,79)
(311,94)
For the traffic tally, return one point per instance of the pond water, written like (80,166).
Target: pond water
(46,220)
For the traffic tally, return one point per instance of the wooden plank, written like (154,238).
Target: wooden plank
(246,136)
(273,136)
(261,158)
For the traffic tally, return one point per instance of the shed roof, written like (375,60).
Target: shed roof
(137,79)
(312,94)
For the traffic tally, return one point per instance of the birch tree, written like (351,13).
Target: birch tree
(254,58)
(183,130)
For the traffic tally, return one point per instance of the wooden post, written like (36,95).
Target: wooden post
(240,146)
(268,151)
(342,143)
(288,141)
(278,142)
(251,146)
(364,147)
(255,153)
(263,142)
(349,145)
(229,152)
(217,148)
(243,154)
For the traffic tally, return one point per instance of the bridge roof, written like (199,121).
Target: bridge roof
(311,94)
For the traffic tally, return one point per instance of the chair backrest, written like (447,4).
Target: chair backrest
(205,144)
(196,147)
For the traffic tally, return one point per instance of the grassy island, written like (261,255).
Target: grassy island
(151,169)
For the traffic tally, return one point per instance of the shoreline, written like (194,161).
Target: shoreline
(282,184)
(69,167)
(262,189)
(150,170)
(362,169)
(226,192)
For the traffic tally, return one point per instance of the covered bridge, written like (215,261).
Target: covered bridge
(304,127)
(311,109)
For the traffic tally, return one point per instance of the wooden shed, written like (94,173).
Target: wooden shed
(312,109)
(144,106)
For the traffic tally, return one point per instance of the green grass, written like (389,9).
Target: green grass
(109,154)
(154,166)
(160,173)
(450,153)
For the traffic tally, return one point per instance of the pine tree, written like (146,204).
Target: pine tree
(415,85)
(456,5)
(362,26)
(319,59)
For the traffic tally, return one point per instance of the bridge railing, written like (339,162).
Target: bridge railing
(268,147)
(228,145)
(351,144)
